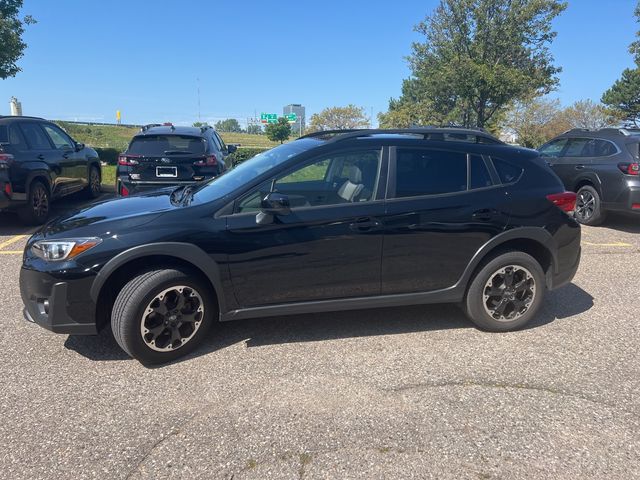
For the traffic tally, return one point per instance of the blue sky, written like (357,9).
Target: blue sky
(86,59)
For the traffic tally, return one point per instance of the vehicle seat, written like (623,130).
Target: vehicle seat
(353,186)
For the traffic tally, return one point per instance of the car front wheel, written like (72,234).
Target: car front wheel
(506,293)
(161,315)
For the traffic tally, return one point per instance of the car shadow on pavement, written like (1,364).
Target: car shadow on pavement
(564,303)
(624,223)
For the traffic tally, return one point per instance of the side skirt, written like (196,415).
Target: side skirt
(449,295)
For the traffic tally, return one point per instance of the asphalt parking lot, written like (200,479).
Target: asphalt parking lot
(389,393)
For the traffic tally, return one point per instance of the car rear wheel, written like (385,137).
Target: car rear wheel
(38,205)
(506,293)
(162,315)
(589,206)
(95,182)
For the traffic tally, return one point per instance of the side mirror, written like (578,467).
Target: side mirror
(273,204)
(232,148)
(79,146)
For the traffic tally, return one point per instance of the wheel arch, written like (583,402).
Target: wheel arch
(121,268)
(41,175)
(590,179)
(536,242)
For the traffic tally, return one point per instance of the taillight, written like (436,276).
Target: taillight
(5,160)
(629,168)
(565,201)
(210,161)
(124,191)
(128,160)
(7,189)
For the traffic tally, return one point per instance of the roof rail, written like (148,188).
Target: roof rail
(25,116)
(144,128)
(426,132)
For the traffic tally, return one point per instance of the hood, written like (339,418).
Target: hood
(99,218)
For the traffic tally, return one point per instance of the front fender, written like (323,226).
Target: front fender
(187,252)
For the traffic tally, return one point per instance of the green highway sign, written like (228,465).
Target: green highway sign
(269,117)
(291,117)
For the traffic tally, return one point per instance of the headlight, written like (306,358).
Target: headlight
(56,250)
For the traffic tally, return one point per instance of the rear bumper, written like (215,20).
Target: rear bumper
(145,186)
(10,203)
(625,202)
(58,306)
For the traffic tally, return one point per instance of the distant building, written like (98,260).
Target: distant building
(299,110)
(15,107)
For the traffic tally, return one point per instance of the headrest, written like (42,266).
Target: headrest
(355,174)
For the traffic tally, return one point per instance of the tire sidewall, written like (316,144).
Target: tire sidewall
(135,344)
(94,169)
(474,301)
(598,214)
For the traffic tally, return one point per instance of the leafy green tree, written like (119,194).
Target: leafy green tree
(590,115)
(478,57)
(278,132)
(254,129)
(535,121)
(200,124)
(228,125)
(338,118)
(11,30)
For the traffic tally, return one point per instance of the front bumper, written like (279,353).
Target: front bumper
(62,306)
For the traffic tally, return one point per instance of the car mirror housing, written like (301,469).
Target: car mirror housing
(79,146)
(273,204)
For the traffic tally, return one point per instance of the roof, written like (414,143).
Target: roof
(21,117)
(170,130)
(452,134)
(602,133)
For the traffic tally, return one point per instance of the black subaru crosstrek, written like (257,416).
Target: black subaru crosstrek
(40,162)
(602,166)
(332,221)
(163,155)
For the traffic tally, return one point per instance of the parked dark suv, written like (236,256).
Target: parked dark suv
(162,155)
(601,166)
(333,221)
(40,162)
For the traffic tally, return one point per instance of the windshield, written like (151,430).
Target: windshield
(158,145)
(251,169)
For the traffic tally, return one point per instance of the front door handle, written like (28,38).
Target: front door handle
(365,224)
(483,215)
(65,155)
(40,157)
(579,167)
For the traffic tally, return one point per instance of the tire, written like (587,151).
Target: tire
(93,190)
(518,307)
(38,205)
(138,308)
(589,207)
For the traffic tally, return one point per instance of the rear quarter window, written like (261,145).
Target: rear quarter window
(507,171)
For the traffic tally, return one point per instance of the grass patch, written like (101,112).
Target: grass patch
(109,175)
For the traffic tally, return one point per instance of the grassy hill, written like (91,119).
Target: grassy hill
(118,137)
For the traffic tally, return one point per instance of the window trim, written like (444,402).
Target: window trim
(379,194)
(391,177)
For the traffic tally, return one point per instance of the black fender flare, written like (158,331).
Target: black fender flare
(590,177)
(187,252)
(536,234)
(36,173)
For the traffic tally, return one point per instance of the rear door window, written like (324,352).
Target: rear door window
(578,147)
(478,172)
(35,136)
(159,145)
(429,172)
(11,135)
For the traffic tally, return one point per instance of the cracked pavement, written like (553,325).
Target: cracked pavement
(412,392)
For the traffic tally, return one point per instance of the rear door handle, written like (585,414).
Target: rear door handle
(483,215)
(40,157)
(365,224)
(579,167)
